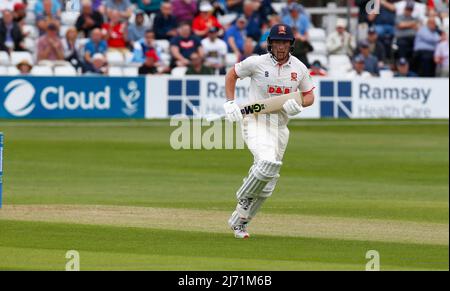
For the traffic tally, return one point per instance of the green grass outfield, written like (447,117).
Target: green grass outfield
(116,192)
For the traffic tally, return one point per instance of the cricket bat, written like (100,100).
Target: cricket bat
(268,105)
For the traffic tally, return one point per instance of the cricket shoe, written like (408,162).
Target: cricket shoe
(238,225)
(240,231)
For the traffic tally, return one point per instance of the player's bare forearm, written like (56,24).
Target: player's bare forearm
(308,99)
(230,83)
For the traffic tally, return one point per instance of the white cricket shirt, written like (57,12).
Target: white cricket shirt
(269,79)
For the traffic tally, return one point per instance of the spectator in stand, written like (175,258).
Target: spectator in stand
(39,7)
(98,66)
(261,47)
(219,7)
(370,61)
(403,69)
(384,21)
(49,46)
(145,44)
(24,67)
(165,24)
(205,20)
(182,46)
(431,13)
(215,51)
(136,30)
(441,56)
(235,37)
(115,32)
(441,7)
(363,18)
(358,69)
(254,19)
(50,13)
(148,6)
(9,4)
(196,66)
(184,10)
(249,49)
(11,37)
(301,9)
(72,47)
(235,6)
(265,9)
(97,5)
(405,33)
(375,47)
(298,20)
(317,70)
(123,7)
(340,42)
(19,12)
(149,65)
(426,41)
(419,11)
(301,47)
(96,45)
(88,19)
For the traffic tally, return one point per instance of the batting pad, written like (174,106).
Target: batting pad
(270,187)
(236,220)
(255,206)
(261,174)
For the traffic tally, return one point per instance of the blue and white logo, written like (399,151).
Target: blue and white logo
(68,97)
(336,99)
(131,99)
(184,97)
(19,98)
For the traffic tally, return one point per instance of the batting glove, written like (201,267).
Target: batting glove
(232,111)
(292,107)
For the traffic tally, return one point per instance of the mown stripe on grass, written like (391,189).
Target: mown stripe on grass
(292,225)
(103,247)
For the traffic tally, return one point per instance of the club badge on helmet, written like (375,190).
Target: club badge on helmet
(280,32)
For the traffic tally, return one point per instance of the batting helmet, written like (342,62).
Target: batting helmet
(280,32)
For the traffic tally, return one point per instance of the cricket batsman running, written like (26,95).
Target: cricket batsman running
(272,74)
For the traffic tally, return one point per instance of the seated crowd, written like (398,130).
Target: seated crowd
(406,37)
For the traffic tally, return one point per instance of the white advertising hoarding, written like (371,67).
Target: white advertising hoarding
(335,98)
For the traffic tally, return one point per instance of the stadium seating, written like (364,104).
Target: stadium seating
(115,58)
(4,58)
(69,18)
(130,71)
(65,71)
(31,30)
(179,71)
(30,44)
(323,59)
(42,71)
(230,59)
(386,74)
(13,71)
(339,65)
(163,44)
(17,57)
(320,47)
(115,71)
(317,34)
